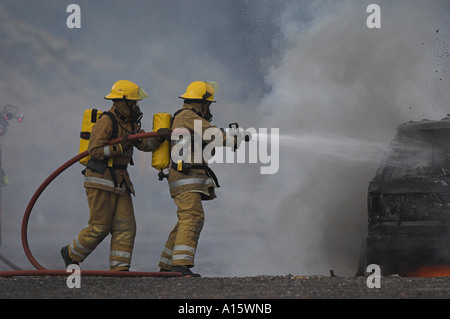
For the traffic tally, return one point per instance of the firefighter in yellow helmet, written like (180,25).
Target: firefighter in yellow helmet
(189,184)
(107,183)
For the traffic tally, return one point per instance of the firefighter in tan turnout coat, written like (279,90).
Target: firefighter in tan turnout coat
(190,184)
(107,183)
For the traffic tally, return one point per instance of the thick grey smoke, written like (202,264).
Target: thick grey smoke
(312,69)
(337,78)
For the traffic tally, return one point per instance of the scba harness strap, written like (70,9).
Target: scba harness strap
(186,168)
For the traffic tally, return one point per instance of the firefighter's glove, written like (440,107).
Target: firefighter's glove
(164,133)
(125,144)
(137,143)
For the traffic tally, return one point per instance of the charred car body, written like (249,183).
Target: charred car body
(409,201)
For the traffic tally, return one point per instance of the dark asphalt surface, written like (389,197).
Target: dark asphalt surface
(258,287)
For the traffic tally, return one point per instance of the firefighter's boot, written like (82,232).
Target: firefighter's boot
(65,255)
(184,270)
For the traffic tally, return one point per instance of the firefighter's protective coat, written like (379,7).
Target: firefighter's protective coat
(99,150)
(188,191)
(111,208)
(197,180)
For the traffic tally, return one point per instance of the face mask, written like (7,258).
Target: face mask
(136,114)
(208,116)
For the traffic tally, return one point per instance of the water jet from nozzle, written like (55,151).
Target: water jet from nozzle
(334,147)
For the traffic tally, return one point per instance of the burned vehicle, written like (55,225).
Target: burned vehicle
(409,201)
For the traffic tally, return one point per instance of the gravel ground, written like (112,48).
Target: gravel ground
(258,287)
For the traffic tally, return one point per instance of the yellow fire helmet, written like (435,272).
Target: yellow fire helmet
(200,90)
(126,90)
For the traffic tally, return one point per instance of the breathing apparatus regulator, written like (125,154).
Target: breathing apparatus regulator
(136,113)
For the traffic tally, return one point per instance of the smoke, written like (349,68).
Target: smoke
(342,89)
(335,89)
(338,90)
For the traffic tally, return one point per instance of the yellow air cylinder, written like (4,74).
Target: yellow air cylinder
(90,117)
(161,156)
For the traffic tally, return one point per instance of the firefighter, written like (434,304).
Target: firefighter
(107,183)
(190,183)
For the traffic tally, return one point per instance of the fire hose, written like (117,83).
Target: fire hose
(42,271)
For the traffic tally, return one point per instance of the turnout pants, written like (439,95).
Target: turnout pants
(181,245)
(110,213)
